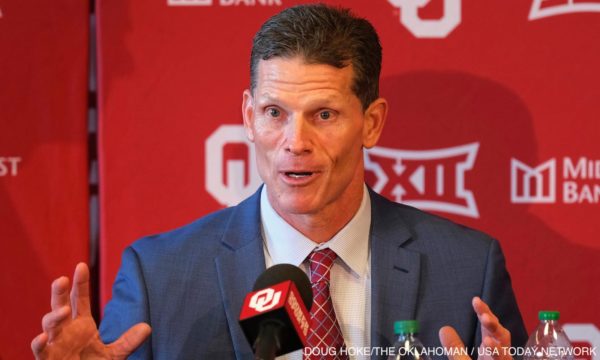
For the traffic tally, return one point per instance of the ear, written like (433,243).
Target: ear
(248,114)
(375,116)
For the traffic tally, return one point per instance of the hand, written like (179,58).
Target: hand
(70,332)
(495,337)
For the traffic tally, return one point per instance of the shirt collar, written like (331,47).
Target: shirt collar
(287,245)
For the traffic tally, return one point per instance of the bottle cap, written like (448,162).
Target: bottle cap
(406,327)
(549,315)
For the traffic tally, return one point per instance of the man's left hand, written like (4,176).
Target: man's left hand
(495,337)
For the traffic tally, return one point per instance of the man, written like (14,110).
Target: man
(312,107)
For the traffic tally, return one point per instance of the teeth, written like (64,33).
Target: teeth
(297,175)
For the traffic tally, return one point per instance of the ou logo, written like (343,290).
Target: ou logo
(265,299)
(225,177)
(429,28)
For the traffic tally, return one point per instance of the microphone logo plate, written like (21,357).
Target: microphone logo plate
(265,299)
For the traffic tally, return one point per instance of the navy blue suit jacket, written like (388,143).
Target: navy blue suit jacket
(189,284)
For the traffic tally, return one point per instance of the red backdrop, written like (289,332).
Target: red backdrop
(44,216)
(494,121)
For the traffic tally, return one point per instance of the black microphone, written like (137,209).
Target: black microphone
(274,316)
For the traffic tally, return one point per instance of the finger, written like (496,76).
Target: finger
(60,293)
(130,340)
(489,321)
(494,348)
(481,308)
(38,345)
(488,341)
(52,320)
(492,345)
(452,342)
(80,293)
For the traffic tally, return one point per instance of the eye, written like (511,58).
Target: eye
(326,115)
(273,112)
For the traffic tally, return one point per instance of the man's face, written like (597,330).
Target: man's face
(309,129)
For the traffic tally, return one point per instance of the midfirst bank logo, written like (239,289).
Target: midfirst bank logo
(540,8)
(427,179)
(265,299)
(224,2)
(533,184)
(580,181)
(428,28)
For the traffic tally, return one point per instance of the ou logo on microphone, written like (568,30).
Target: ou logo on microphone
(265,299)
(438,28)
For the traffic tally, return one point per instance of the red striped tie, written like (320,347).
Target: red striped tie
(325,339)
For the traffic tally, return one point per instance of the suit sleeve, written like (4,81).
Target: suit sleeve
(497,292)
(129,304)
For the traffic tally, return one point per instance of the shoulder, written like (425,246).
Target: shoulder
(428,231)
(203,237)
(210,226)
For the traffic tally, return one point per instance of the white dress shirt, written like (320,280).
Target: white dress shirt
(350,283)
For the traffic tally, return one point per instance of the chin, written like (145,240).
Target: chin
(296,205)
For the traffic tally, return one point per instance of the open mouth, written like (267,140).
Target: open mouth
(298,175)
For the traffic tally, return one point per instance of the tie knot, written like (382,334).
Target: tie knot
(320,264)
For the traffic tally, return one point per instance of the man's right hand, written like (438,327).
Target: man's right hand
(69,330)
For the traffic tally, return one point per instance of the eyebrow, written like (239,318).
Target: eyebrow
(265,98)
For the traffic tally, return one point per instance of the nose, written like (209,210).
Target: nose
(298,136)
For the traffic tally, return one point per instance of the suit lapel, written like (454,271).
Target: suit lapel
(238,266)
(395,272)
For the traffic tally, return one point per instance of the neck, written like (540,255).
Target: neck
(322,226)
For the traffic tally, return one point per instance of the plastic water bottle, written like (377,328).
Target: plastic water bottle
(548,341)
(408,346)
